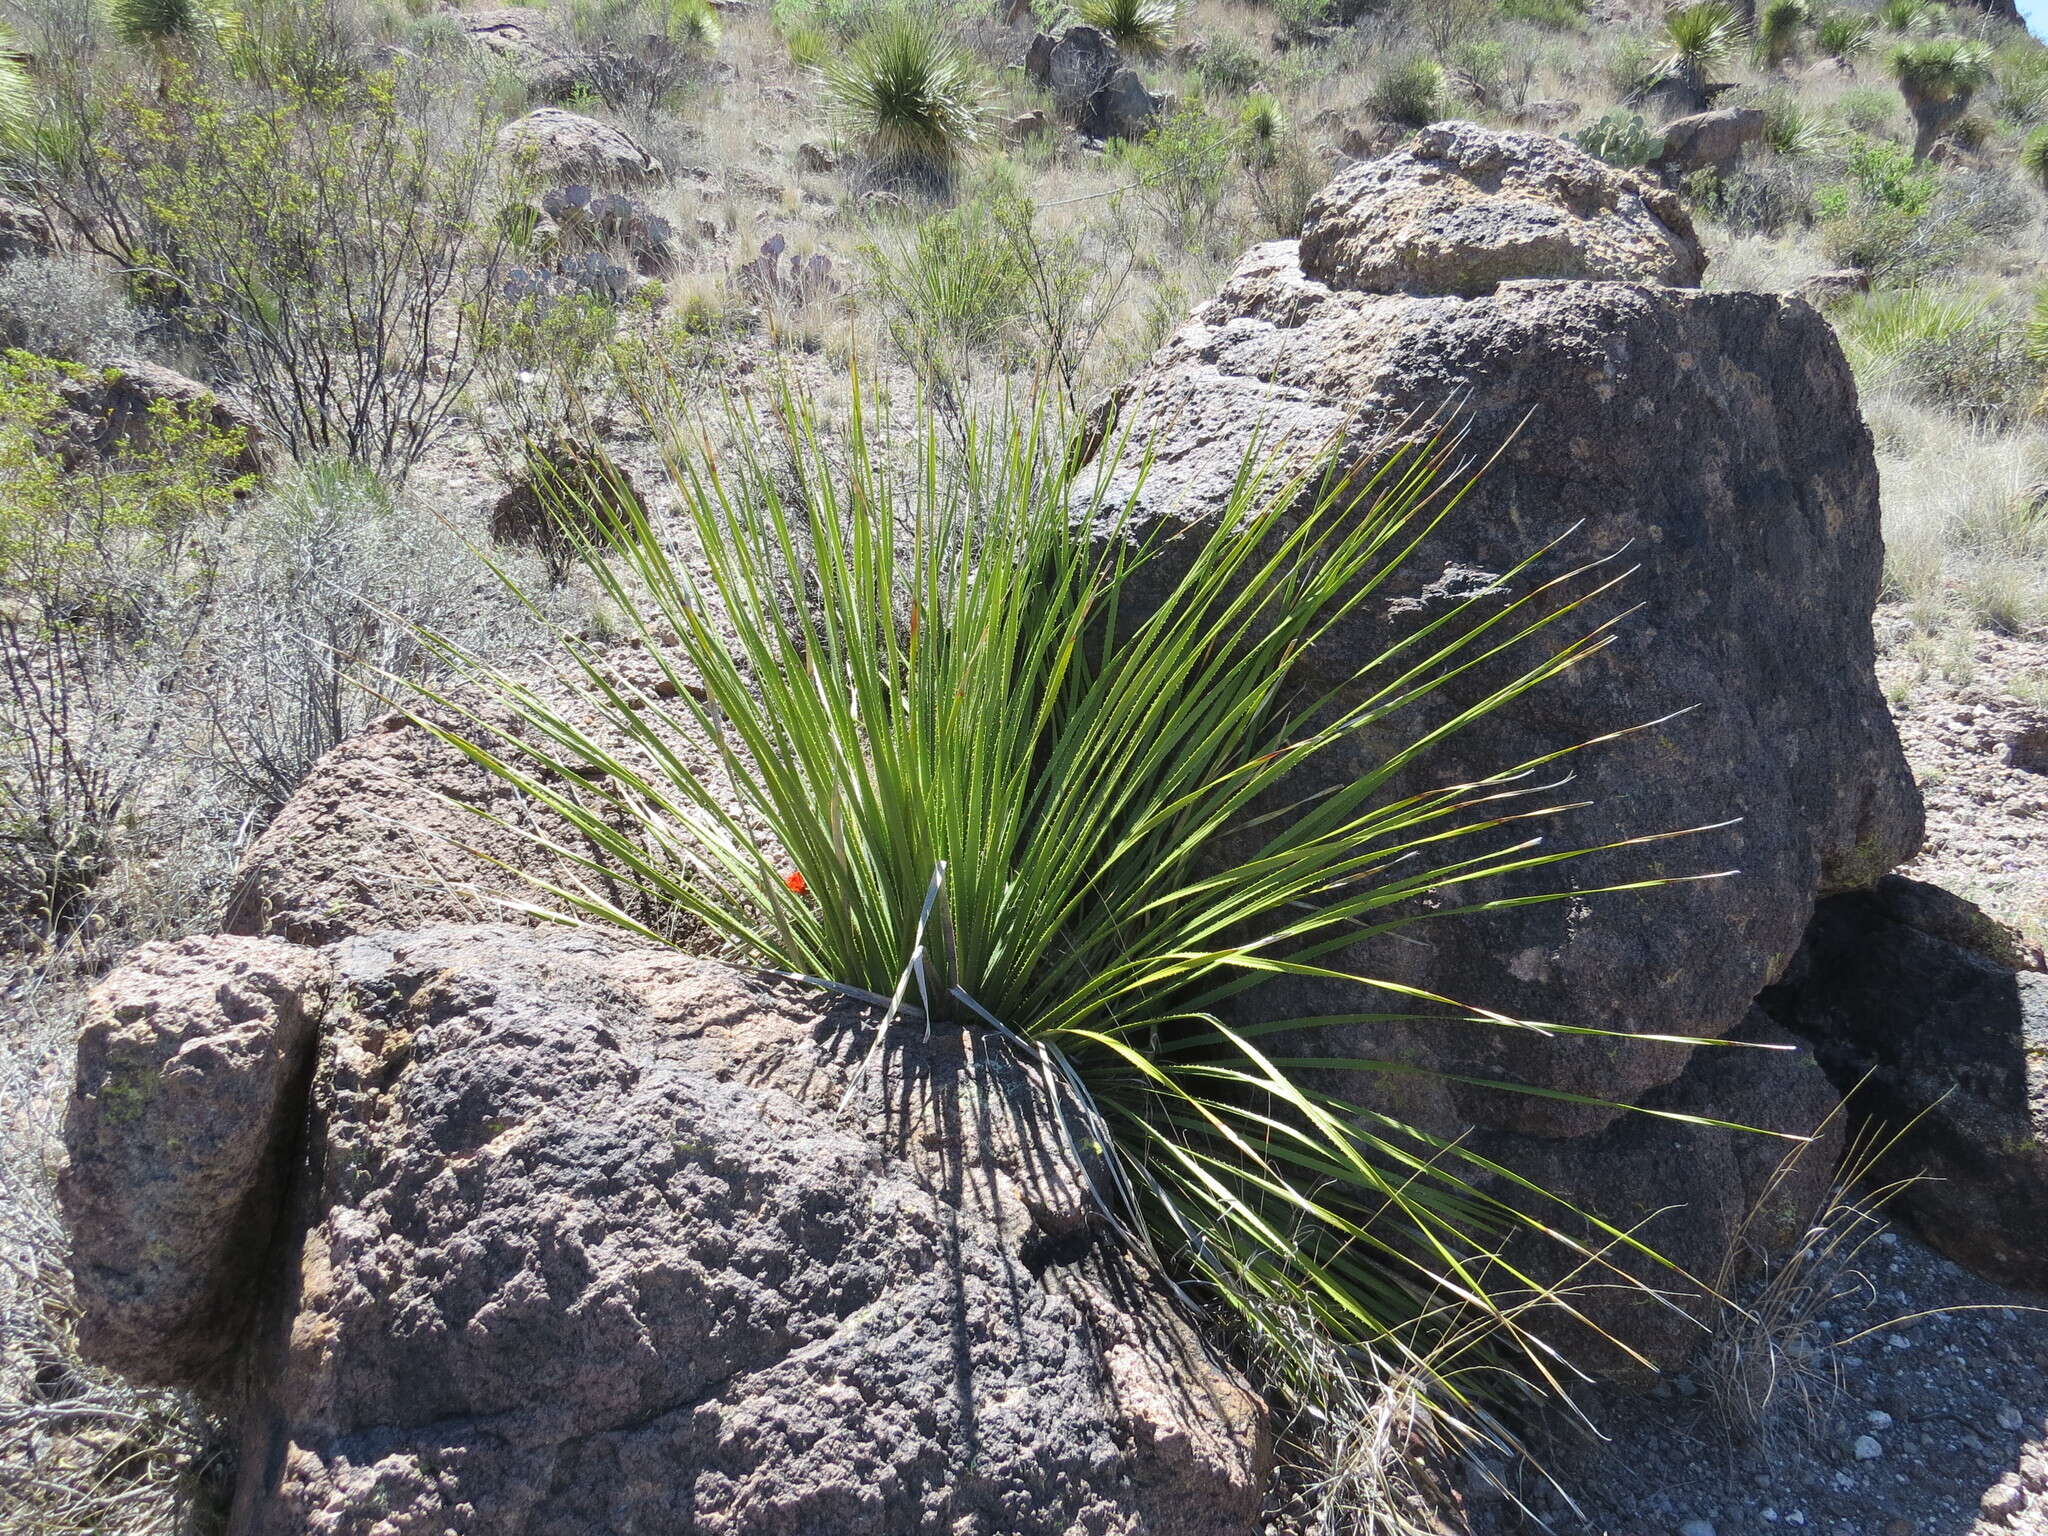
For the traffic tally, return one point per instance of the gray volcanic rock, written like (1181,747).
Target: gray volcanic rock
(594,1238)
(1459,209)
(1709,141)
(1708,445)
(188,1098)
(1945,1046)
(560,147)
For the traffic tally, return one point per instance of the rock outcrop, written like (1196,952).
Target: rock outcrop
(1090,83)
(1709,141)
(1458,210)
(562,148)
(110,410)
(584,1237)
(1709,444)
(1912,1004)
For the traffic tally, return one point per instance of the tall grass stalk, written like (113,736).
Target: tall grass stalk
(963,771)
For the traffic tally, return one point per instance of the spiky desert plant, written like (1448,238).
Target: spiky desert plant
(1264,121)
(2034,156)
(1937,78)
(158,22)
(1144,27)
(910,97)
(962,771)
(1844,36)
(17,95)
(1780,28)
(1905,17)
(1699,37)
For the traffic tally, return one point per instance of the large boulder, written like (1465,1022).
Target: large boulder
(187,1103)
(586,1237)
(24,230)
(1458,209)
(1709,141)
(1912,1005)
(559,148)
(115,409)
(1090,83)
(1706,445)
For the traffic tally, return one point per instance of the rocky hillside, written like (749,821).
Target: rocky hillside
(513,1015)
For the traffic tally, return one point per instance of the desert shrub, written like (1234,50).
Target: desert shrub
(1751,201)
(1300,18)
(638,54)
(1444,27)
(324,45)
(982,813)
(331,251)
(93,596)
(546,369)
(1146,28)
(1867,110)
(1282,184)
(1869,217)
(1181,171)
(1792,131)
(910,98)
(954,291)
(1228,64)
(1409,91)
(2022,84)
(1634,68)
(1620,138)
(1558,15)
(317,621)
(1941,347)
(65,306)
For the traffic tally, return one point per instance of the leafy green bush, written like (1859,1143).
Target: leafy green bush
(1409,91)
(1228,64)
(1559,15)
(1867,110)
(949,796)
(910,97)
(1621,139)
(1181,171)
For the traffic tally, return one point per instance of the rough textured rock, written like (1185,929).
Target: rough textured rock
(590,1238)
(1828,288)
(1710,440)
(186,1107)
(24,230)
(1090,83)
(562,147)
(1459,209)
(1946,1046)
(1709,141)
(110,409)
(1710,1201)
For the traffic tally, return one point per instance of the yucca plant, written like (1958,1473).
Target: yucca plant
(917,741)
(2034,156)
(1781,28)
(1699,37)
(1144,27)
(1905,17)
(1938,78)
(910,97)
(1844,36)
(1264,122)
(157,22)
(1409,92)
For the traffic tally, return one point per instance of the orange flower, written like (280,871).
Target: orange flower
(795,881)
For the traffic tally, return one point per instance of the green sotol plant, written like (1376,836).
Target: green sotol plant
(897,752)
(1143,27)
(910,97)
(1698,37)
(1409,92)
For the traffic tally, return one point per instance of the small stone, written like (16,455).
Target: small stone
(2002,1500)
(1898,1525)
(2009,1417)
(1898,1341)
(1865,1448)
(1877,1418)
(1697,1528)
